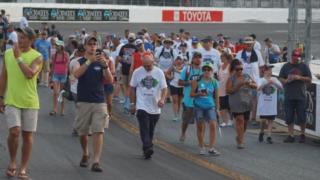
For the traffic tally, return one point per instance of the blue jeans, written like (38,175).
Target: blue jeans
(147,124)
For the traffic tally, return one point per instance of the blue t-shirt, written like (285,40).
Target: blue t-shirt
(90,84)
(43,47)
(187,74)
(148,46)
(210,87)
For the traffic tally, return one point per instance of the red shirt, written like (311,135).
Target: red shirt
(137,60)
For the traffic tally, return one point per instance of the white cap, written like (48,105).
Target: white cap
(138,41)
(132,36)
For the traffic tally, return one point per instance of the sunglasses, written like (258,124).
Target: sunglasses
(207,69)
(239,69)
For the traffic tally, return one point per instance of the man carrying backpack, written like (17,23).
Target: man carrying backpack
(189,73)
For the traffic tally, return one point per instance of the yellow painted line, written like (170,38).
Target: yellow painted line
(180,153)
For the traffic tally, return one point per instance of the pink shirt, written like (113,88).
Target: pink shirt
(60,63)
(223,78)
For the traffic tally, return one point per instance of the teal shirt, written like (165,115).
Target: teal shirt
(193,74)
(211,87)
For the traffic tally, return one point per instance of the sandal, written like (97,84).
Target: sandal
(52,113)
(23,176)
(11,172)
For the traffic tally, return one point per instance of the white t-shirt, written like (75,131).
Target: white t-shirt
(212,56)
(257,46)
(267,100)
(12,37)
(74,64)
(23,22)
(251,68)
(176,76)
(148,88)
(115,54)
(166,58)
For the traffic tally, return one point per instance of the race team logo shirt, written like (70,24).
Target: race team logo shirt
(148,86)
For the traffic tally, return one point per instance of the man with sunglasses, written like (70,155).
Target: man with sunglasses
(295,76)
(252,63)
(91,105)
(148,90)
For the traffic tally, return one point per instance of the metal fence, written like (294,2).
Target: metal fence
(186,3)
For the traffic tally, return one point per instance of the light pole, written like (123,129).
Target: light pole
(308,22)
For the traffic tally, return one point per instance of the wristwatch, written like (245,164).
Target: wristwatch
(20,60)
(87,62)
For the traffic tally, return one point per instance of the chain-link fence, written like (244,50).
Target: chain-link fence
(186,3)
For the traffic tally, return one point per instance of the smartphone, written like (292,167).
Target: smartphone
(98,52)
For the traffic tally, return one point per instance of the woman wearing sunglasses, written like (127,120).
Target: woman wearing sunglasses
(206,107)
(239,87)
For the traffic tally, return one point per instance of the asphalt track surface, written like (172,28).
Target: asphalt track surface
(56,154)
(278,32)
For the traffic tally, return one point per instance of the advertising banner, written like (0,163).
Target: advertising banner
(191,16)
(64,14)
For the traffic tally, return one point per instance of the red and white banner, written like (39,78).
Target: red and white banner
(191,16)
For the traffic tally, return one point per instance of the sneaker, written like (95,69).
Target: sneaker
(148,154)
(223,124)
(214,152)
(202,151)
(182,138)
(289,139)
(84,161)
(302,138)
(175,119)
(240,146)
(261,137)
(230,123)
(269,140)
(96,167)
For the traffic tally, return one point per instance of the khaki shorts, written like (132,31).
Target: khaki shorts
(91,117)
(25,118)
(46,66)
(125,80)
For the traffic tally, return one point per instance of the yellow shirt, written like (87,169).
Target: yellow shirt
(21,92)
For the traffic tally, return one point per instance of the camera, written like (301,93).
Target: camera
(98,52)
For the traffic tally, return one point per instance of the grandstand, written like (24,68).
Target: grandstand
(185,3)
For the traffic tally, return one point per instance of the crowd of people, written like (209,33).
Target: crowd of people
(208,81)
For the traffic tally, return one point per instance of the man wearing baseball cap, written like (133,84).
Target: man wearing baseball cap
(295,76)
(125,58)
(91,105)
(19,99)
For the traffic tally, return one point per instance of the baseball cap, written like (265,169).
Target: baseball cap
(194,39)
(179,57)
(131,36)
(168,40)
(207,65)
(59,43)
(268,66)
(226,38)
(89,38)
(248,40)
(27,31)
(207,39)
(296,53)
(138,41)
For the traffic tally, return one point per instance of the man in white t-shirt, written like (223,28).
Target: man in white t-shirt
(252,62)
(148,90)
(211,55)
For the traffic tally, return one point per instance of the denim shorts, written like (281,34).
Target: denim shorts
(205,115)
(59,78)
(295,108)
(108,89)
